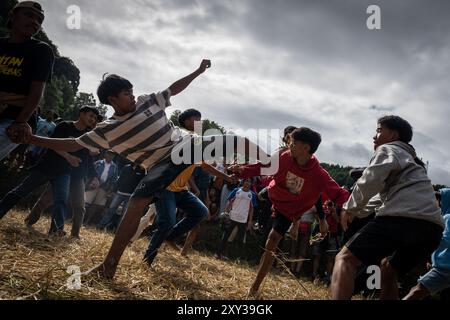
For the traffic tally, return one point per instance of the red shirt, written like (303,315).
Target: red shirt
(295,189)
(331,221)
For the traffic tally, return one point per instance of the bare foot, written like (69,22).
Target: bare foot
(31,219)
(102,271)
(76,238)
(57,234)
(184,252)
(253,292)
(172,245)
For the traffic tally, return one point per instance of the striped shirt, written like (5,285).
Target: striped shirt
(145,136)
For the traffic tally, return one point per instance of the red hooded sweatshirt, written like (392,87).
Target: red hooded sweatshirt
(295,189)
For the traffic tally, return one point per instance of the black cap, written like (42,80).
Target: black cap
(36,7)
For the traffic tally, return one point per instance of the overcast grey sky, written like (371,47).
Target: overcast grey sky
(279,63)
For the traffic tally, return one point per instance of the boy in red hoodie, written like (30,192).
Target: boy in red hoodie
(295,188)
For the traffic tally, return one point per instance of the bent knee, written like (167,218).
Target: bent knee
(346,256)
(274,236)
(386,266)
(204,212)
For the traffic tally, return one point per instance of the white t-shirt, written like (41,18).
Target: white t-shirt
(241,206)
(104,175)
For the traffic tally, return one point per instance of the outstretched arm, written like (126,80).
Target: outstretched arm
(182,84)
(250,219)
(60,144)
(213,171)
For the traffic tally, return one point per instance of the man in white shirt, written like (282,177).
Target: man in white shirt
(96,198)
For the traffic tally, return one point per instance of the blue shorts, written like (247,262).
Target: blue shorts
(436,280)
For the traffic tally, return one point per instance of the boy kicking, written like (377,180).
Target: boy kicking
(141,132)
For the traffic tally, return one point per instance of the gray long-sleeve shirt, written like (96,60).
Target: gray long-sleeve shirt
(403,186)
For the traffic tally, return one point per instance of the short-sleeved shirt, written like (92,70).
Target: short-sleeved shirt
(52,163)
(242,202)
(181,182)
(145,136)
(45,128)
(20,65)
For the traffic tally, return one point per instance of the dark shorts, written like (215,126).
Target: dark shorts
(158,179)
(405,242)
(329,246)
(301,245)
(436,280)
(235,230)
(281,223)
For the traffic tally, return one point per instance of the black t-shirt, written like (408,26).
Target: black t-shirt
(20,65)
(52,163)
(86,168)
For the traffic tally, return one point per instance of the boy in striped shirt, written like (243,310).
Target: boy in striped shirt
(141,132)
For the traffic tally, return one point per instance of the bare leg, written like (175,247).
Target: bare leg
(190,240)
(330,264)
(344,272)
(389,285)
(266,261)
(125,232)
(417,293)
(299,265)
(316,264)
(44,201)
(294,255)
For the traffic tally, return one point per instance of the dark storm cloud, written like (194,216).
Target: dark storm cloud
(381,108)
(277,63)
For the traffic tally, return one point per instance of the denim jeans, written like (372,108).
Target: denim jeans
(76,201)
(60,188)
(6,145)
(166,226)
(117,200)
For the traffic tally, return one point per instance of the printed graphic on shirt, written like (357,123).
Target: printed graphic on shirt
(11,66)
(294,183)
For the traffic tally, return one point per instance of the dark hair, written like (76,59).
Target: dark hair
(109,152)
(287,130)
(186,114)
(356,173)
(308,136)
(111,86)
(99,118)
(246,179)
(86,109)
(31,5)
(438,195)
(398,124)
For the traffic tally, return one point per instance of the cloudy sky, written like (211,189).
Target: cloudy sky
(279,63)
